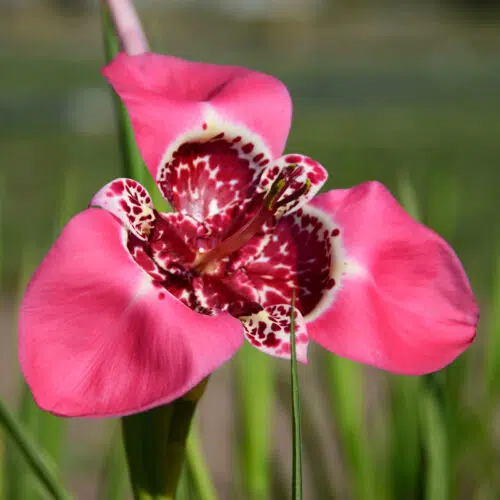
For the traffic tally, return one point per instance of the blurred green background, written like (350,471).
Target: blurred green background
(401,92)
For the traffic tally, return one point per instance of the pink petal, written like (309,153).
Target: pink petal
(168,98)
(99,338)
(269,331)
(405,303)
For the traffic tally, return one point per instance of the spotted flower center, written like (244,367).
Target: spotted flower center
(242,239)
(191,262)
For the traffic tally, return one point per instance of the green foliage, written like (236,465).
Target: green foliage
(255,388)
(39,464)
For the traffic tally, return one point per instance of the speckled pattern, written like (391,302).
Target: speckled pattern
(241,241)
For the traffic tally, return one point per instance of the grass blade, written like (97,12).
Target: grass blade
(297,441)
(435,446)
(345,379)
(492,369)
(114,479)
(255,383)
(408,196)
(39,465)
(405,436)
(198,474)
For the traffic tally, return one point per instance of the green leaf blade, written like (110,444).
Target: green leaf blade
(297,438)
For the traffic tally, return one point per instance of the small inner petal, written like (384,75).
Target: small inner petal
(130,202)
(295,180)
(269,330)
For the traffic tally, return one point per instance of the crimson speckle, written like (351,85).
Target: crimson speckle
(263,163)
(237,139)
(330,283)
(258,157)
(204,126)
(335,232)
(247,148)
(161,295)
(293,159)
(125,206)
(117,187)
(272,341)
(109,194)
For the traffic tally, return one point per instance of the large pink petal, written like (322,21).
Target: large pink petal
(99,338)
(169,98)
(404,303)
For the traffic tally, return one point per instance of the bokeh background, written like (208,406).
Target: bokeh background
(405,92)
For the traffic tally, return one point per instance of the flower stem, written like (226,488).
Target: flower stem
(155,445)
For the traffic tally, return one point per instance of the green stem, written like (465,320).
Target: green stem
(37,462)
(155,445)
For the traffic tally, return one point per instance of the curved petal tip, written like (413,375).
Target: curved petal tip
(405,303)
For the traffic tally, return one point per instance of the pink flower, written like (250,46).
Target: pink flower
(131,307)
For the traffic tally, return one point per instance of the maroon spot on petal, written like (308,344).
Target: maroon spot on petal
(272,341)
(204,126)
(136,210)
(261,329)
(336,232)
(219,136)
(109,194)
(264,162)
(330,283)
(310,162)
(237,139)
(125,206)
(293,159)
(161,295)
(258,157)
(117,187)
(247,148)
